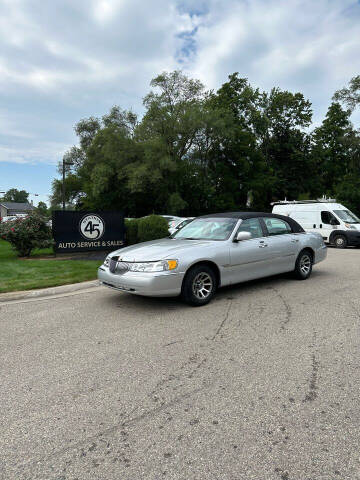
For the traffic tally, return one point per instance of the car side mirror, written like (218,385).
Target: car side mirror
(242,236)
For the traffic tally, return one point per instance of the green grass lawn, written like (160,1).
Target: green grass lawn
(18,274)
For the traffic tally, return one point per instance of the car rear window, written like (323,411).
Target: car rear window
(276,226)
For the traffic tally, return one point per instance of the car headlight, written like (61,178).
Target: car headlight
(107,261)
(351,227)
(160,266)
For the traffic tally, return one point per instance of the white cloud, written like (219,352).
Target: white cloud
(298,45)
(104,10)
(39,152)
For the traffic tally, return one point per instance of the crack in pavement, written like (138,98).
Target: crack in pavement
(313,381)
(119,426)
(226,316)
(288,310)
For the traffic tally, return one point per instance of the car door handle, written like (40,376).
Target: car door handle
(263,245)
(295,240)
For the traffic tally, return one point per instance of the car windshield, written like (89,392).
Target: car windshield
(347,216)
(207,229)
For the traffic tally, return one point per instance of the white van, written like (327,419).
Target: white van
(336,224)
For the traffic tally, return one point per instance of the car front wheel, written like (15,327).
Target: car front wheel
(199,285)
(303,266)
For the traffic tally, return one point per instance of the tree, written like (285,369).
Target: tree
(86,129)
(42,209)
(173,114)
(333,145)
(265,149)
(176,132)
(14,195)
(105,174)
(350,96)
(348,192)
(195,151)
(285,144)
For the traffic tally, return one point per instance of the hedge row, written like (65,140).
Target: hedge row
(145,229)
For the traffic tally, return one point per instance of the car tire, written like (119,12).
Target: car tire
(340,241)
(303,265)
(199,285)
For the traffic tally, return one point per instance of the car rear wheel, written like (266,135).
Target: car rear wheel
(340,241)
(303,266)
(199,285)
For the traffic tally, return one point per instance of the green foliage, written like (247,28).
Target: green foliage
(15,195)
(152,228)
(19,274)
(348,192)
(196,152)
(334,140)
(26,234)
(131,227)
(350,95)
(175,204)
(42,209)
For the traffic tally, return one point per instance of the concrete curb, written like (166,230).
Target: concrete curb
(47,292)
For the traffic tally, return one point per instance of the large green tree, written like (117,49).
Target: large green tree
(333,145)
(195,151)
(75,159)
(15,195)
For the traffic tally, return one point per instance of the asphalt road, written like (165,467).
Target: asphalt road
(262,384)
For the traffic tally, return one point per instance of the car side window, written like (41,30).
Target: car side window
(328,218)
(276,226)
(253,226)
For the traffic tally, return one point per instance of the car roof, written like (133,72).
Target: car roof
(296,228)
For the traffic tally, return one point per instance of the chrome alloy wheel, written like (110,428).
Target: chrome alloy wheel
(339,242)
(202,285)
(305,264)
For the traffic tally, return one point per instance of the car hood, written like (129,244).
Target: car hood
(165,248)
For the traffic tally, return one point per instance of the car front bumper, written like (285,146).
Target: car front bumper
(159,284)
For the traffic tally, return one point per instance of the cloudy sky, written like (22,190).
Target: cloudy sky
(62,60)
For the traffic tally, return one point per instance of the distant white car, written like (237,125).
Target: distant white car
(180,224)
(9,218)
(172,220)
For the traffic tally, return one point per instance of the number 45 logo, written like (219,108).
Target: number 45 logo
(92,227)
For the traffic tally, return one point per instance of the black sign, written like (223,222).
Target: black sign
(84,231)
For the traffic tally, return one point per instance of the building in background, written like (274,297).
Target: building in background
(13,208)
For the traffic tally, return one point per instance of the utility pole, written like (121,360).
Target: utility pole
(63,186)
(63,181)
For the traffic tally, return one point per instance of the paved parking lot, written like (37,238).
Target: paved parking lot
(262,384)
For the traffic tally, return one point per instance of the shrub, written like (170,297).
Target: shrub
(131,231)
(25,234)
(151,228)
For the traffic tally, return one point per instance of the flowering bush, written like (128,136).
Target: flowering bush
(25,234)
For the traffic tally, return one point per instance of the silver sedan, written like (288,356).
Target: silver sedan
(213,251)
